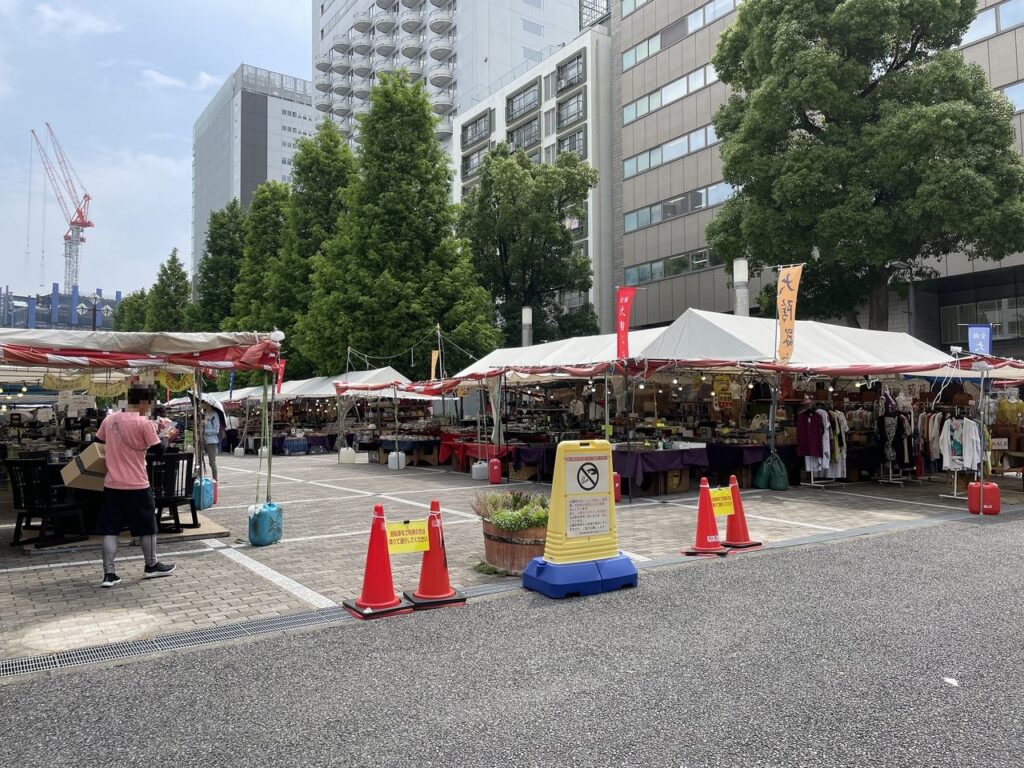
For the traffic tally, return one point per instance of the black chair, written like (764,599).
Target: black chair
(170,477)
(32,487)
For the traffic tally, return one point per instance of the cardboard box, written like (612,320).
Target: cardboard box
(87,470)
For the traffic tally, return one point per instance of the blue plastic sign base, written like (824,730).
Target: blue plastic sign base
(558,580)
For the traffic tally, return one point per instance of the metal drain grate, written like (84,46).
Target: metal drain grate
(190,639)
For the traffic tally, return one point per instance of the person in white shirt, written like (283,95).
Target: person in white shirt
(231,432)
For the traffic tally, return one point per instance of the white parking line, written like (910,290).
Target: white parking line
(286,502)
(442,489)
(339,488)
(635,557)
(55,566)
(792,522)
(348,534)
(946,507)
(300,591)
(425,506)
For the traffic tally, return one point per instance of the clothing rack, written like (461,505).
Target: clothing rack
(956,491)
(821,482)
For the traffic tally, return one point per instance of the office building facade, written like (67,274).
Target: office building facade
(459,48)
(562,104)
(246,135)
(668,173)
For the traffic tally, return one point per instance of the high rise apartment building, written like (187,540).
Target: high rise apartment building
(459,47)
(246,135)
(562,104)
(668,173)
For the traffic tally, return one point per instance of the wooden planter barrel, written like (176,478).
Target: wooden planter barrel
(512,551)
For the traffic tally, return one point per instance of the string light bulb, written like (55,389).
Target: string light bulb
(713,393)
(24,388)
(750,385)
(641,386)
(675,381)
(703,377)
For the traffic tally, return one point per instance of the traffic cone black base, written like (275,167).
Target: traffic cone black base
(423,603)
(376,613)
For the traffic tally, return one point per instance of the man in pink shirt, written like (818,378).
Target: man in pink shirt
(127,498)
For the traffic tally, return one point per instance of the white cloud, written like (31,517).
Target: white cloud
(8,8)
(71,22)
(152,78)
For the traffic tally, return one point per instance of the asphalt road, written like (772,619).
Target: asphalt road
(895,650)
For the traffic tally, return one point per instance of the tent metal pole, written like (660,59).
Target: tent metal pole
(771,414)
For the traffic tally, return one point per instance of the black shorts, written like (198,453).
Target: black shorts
(133,510)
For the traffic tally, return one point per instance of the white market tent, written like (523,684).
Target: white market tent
(715,340)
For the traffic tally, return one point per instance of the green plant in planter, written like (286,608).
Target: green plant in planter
(513,510)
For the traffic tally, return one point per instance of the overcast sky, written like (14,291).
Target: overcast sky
(121,81)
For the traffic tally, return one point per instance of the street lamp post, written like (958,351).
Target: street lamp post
(741,284)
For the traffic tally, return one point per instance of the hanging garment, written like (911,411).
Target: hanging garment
(808,434)
(887,437)
(819,464)
(935,435)
(837,466)
(961,445)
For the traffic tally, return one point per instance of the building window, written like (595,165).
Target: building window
(526,135)
(571,72)
(530,54)
(679,264)
(628,6)
(478,129)
(532,27)
(518,105)
(1011,14)
(686,144)
(984,25)
(668,93)
(471,163)
(1015,93)
(571,110)
(641,51)
(574,142)
(681,205)
(954,320)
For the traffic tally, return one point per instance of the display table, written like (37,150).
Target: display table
(295,445)
(739,460)
(535,461)
(423,451)
(460,453)
(658,471)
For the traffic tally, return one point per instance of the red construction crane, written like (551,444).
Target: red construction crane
(79,220)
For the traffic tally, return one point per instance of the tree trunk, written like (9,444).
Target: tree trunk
(878,309)
(851,319)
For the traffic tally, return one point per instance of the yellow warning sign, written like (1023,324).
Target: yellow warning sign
(721,501)
(408,536)
(581,521)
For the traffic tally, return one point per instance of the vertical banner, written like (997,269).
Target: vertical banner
(979,339)
(786,289)
(434,356)
(624,307)
(231,385)
(281,363)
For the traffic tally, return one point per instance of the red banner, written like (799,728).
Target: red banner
(624,304)
(280,373)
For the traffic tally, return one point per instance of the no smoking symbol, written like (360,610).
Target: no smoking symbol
(588,475)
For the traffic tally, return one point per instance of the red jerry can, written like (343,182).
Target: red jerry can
(617,482)
(494,471)
(974,500)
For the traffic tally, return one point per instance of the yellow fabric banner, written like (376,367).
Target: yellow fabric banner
(434,356)
(786,290)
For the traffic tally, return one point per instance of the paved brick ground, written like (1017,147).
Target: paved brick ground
(51,601)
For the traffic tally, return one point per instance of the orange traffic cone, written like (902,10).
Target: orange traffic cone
(708,541)
(435,588)
(736,534)
(378,597)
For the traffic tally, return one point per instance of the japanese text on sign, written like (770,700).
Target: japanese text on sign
(408,536)
(721,501)
(587,516)
(787,288)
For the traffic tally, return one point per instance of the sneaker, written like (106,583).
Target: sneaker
(110,579)
(157,570)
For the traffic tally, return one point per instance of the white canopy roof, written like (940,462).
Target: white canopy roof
(579,352)
(714,339)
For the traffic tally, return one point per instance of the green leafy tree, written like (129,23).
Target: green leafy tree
(321,171)
(218,270)
(131,312)
(515,223)
(255,307)
(854,129)
(394,270)
(167,302)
